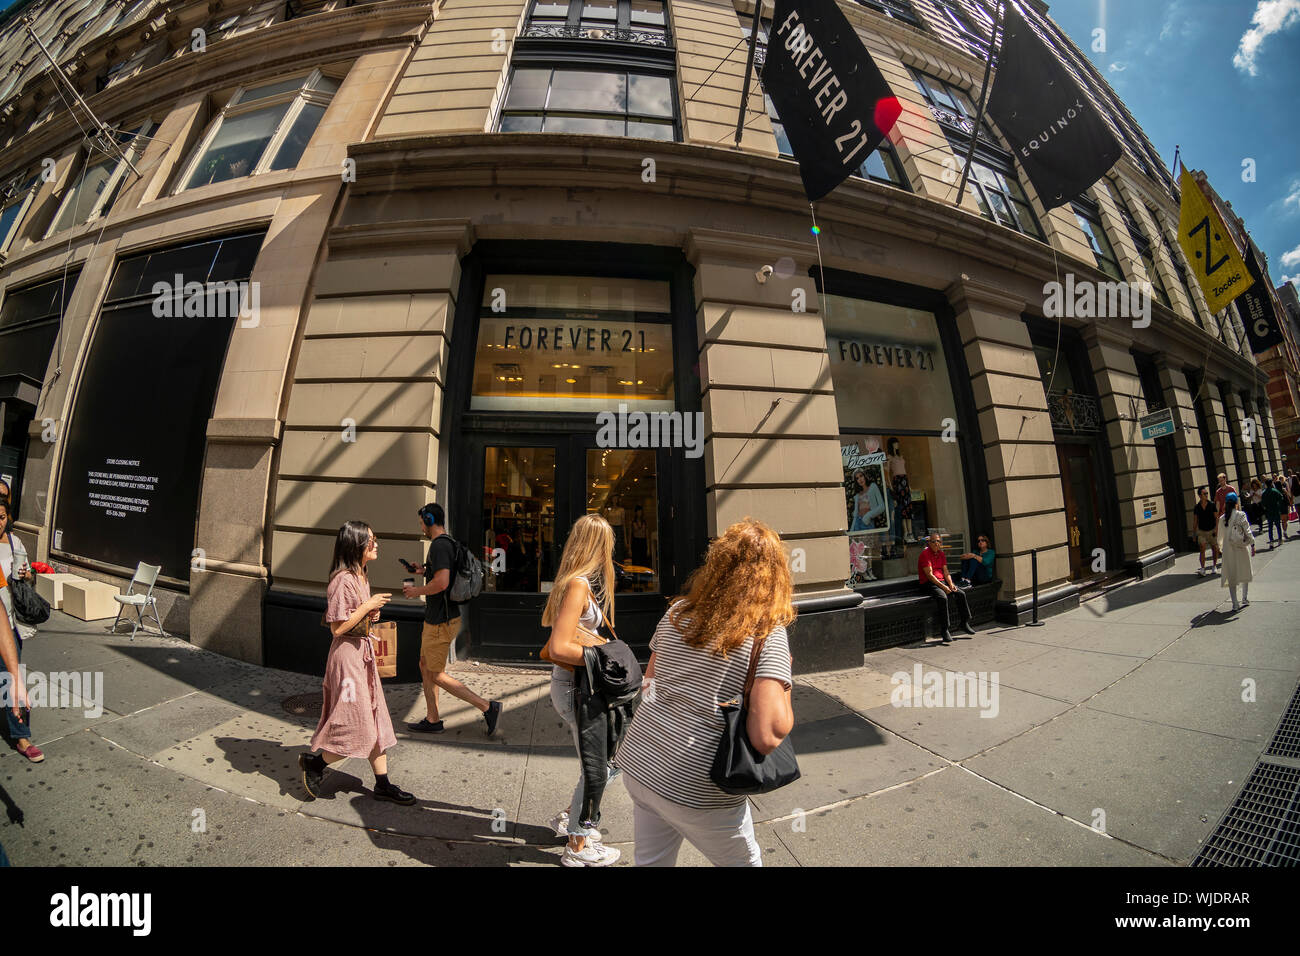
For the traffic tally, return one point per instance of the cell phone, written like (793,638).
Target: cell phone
(414,569)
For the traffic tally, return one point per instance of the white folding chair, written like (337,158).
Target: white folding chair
(145,575)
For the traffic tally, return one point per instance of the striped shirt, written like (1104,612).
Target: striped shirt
(674,736)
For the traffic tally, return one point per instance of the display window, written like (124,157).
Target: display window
(903,471)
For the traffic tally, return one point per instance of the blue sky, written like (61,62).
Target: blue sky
(1214,76)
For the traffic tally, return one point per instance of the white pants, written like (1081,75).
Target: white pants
(1245,592)
(725,835)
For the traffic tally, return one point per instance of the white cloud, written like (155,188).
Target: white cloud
(1291,259)
(1293,198)
(1271,16)
(1118,67)
(1286,279)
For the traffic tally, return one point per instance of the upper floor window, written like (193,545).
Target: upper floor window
(1001,198)
(262,128)
(961,24)
(953,109)
(95,188)
(635,21)
(898,9)
(15,199)
(598,100)
(1176,259)
(1144,249)
(1089,219)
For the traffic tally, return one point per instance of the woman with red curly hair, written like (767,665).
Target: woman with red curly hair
(736,605)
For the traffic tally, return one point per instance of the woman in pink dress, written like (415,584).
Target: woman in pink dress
(354,720)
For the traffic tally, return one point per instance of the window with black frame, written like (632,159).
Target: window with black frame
(993,182)
(597,67)
(882,166)
(599,101)
(1088,216)
(958,19)
(15,201)
(895,9)
(1179,269)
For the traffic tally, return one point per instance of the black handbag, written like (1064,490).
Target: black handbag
(739,768)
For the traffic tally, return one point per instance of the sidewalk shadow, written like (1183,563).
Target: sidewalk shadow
(1142,591)
(1215,617)
(429,842)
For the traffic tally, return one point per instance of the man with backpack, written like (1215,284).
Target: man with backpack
(442,623)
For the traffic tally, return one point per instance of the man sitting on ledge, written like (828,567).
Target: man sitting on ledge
(933,568)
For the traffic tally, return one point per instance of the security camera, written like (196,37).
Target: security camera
(763,274)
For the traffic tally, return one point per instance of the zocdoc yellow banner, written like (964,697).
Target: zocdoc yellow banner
(1209,247)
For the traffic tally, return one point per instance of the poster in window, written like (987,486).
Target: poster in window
(865,502)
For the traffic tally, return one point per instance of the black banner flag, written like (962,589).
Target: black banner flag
(1056,132)
(1256,306)
(832,99)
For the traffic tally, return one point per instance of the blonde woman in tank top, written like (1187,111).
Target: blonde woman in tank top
(583,595)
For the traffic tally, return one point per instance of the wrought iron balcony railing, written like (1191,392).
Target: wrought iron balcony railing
(1074,413)
(562,31)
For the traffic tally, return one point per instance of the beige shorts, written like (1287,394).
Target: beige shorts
(1204,539)
(435,644)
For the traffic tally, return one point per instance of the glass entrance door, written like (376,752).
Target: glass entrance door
(526,499)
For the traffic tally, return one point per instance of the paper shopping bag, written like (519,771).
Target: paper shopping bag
(385,644)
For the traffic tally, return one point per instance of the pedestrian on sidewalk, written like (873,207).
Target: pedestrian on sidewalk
(1253,506)
(1281,483)
(13,692)
(1203,529)
(1221,495)
(1235,541)
(441,626)
(932,567)
(354,720)
(583,596)
(736,605)
(1273,503)
(14,565)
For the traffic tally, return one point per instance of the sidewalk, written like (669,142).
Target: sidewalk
(1127,713)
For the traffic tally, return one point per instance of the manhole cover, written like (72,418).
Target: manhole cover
(304,705)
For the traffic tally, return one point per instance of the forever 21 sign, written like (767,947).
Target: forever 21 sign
(833,101)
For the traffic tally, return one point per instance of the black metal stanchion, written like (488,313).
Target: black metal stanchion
(1033,576)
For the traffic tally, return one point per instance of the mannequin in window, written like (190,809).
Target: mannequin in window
(616,515)
(902,491)
(868,504)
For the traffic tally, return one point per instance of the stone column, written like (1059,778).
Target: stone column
(1187,438)
(1136,465)
(772,447)
(1221,448)
(1019,448)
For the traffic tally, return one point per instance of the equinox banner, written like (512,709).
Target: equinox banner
(1057,134)
(833,101)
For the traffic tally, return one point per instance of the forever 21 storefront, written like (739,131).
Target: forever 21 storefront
(912,459)
(547,339)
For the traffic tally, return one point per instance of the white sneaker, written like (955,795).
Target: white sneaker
(560,824)
(1200,572)
(1245,603)
(591,854)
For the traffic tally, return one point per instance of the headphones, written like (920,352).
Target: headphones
(426,515)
